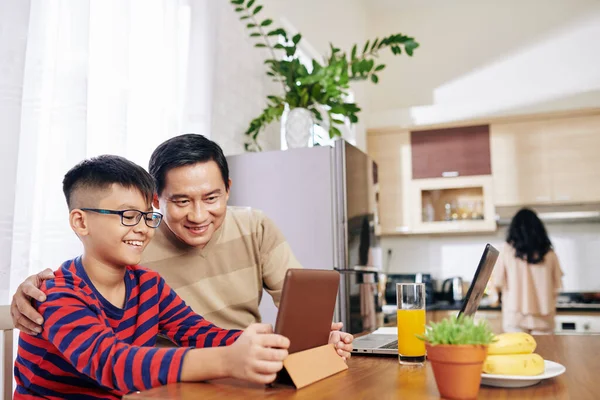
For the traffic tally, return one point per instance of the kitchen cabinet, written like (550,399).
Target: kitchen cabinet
(573,152)
(450,152)
(493,317)
(546,161)
(446,205)
(392,154)
(520,167)
(533,160)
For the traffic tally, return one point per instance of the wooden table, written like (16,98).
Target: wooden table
(383,378)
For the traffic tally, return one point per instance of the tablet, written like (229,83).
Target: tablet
(306,307)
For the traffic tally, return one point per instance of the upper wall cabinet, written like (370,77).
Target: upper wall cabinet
(520,167)
(451,152)
(574,157)
(549,161)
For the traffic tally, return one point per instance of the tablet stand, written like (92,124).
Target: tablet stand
(312,365)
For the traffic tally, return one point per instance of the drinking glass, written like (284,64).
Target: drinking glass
(411,322)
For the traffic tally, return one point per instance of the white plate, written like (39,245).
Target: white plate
(552,369)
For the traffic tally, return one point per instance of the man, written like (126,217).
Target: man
(217,258)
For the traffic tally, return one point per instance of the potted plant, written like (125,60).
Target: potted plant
(322,89)
(457,348)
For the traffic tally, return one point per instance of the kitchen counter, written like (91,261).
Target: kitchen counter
(457,306)
(370,377)
(571,307)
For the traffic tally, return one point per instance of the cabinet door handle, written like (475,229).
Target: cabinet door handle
(450,174)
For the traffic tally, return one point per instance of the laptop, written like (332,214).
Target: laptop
(387,344)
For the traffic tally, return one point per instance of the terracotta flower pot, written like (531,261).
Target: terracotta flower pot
(457,369)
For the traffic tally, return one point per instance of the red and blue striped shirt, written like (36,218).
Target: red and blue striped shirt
(90,349)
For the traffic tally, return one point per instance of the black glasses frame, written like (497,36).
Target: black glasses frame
(149,216)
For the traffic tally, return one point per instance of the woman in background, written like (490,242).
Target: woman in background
(528,275)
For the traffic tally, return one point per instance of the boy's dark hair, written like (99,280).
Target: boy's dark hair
(102,171)
(184,150)
(528,236)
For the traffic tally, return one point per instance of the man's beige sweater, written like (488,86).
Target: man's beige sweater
(223,282)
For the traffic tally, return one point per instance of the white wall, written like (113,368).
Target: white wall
(485,58)
(577,247)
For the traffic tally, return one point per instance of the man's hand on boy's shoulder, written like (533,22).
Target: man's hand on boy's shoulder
(25,317)
(341,340)
(258,354)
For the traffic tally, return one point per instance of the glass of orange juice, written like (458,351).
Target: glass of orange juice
(411,322)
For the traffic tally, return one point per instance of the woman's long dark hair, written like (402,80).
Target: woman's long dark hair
(528,236)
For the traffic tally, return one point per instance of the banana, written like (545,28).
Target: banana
(514,364)
(512,343)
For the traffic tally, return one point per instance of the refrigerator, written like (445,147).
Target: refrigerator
(324,200)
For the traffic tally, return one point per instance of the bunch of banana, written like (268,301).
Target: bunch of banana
(512,354)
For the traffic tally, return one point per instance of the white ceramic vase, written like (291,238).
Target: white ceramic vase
(299,128)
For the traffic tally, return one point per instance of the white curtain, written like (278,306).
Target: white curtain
(80,78)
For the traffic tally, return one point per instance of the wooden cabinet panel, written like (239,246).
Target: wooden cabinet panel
(574,156)
(493,317)
(520,169)
(550,161)
(462,151)
(391,152)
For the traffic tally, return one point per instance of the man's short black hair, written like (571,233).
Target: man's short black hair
(102,171)
(184,150)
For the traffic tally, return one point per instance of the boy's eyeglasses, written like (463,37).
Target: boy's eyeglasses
(132,217)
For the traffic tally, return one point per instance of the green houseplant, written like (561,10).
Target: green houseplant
(324,88)
(457,348)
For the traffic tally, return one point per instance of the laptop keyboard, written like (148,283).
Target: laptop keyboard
(390,345)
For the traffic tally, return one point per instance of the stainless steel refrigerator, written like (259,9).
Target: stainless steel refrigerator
(324,200)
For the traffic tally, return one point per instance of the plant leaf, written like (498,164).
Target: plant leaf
(410,46)
(243,17)
(370,65)
(296,38)
(257,10)
(237,2)
(366,47)
(278,31)
(254,34)
(374,78)
(333,132)
(260,45)
(266,22)
(250,3)
(380,67)
(251,26)
(238,9)
(374,45)
(338,109)
(353,53)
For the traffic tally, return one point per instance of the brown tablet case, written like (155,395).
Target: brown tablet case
(305,313)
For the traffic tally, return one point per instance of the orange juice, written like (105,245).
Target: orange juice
(411,323)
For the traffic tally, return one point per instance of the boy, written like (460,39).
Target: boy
(103,312)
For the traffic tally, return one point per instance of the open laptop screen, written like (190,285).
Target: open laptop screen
(480,281)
